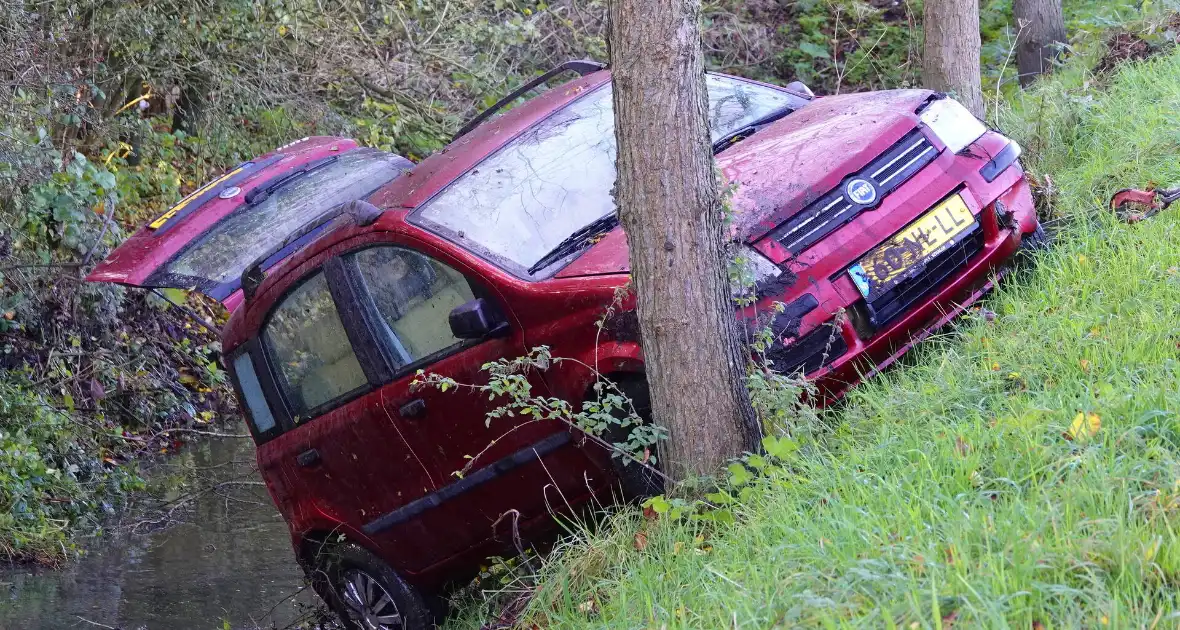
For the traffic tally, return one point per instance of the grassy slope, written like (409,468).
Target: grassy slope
(947,490)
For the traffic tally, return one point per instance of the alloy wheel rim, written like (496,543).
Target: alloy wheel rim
(368,603)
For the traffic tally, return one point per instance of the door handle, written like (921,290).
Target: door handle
(414,409)
(308,458)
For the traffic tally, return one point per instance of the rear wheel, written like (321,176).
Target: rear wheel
(366,593)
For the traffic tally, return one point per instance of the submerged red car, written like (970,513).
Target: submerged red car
(873,217)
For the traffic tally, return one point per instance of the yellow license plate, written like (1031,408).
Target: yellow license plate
(896,259)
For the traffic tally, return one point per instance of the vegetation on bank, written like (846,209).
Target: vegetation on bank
(1022,469)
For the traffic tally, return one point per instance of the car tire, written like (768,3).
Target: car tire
(366,593)
(1035,241)
(638,482)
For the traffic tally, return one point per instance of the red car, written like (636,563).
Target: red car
(874,217)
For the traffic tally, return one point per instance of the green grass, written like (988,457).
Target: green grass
(945,491)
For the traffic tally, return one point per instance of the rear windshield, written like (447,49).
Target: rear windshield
(215,261)
(557,176)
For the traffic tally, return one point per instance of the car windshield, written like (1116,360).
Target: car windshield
(557,176)
(221,254)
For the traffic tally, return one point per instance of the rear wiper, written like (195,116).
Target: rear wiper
(260,194)
(750,128)
(577,241)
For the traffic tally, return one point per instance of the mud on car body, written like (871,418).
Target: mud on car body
(873,217)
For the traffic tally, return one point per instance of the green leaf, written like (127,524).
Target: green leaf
(780,447)
(658,504)
(814,50)
(105,179)
(724,517)
(174,295)
(719,498)
(739,475)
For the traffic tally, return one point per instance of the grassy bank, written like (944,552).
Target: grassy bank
(961,489)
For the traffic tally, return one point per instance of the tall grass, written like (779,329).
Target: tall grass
(947,492)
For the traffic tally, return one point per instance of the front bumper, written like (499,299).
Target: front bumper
(842,339)
(1004,221)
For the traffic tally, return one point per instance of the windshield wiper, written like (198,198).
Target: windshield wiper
(748,129)
(577,241)
(259,194)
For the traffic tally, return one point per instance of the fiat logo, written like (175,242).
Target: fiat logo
(861,192)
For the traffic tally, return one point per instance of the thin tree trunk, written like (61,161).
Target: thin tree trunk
(667,195)
(950,57)
(1042,34)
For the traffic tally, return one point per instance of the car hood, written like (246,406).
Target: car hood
(789,164)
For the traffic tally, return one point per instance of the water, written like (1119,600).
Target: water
(227,558)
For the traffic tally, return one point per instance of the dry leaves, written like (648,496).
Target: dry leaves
(588,607)
(961,447)
(1084,427)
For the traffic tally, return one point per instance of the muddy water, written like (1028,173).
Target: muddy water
(226,557)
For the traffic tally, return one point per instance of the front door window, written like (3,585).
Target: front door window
(414,296)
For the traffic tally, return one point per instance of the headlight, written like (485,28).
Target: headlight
(748,269)
(952,123)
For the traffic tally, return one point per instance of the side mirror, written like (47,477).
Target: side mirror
(800,88)
(475,320)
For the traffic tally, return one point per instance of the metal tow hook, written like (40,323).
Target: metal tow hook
(1153,200)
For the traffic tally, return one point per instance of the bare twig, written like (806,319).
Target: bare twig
(95,623)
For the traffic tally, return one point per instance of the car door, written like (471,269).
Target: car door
(487,469)
(347,453)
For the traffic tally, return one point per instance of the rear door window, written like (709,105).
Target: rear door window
(260,413)
(414,295)
(309,348)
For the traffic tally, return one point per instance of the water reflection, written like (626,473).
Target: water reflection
(228,559)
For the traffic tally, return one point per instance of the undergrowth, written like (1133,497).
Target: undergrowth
(1020,470)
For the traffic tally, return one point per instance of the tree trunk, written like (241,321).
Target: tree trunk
(667,195)
(1042,34)
(950,57)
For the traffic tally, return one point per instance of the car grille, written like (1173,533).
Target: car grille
(889,305)
(889,171)
(809,352)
